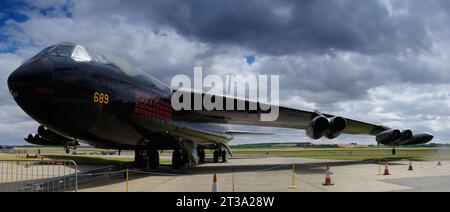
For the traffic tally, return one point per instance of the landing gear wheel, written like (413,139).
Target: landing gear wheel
(154,159)
(224,156)
(177,160)
(216,156)
(67,150)
(185,162)
(201,155)
(141,158)
(394,151)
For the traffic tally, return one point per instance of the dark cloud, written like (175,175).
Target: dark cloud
(290,26)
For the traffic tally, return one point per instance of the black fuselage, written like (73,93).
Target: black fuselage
(98,103)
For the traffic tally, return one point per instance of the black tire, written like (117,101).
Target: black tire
(185,162)
(224,156)
(67,150)
(216,156)
(202,155)
(154,159)
(176,159)
(394,151)
(138,159)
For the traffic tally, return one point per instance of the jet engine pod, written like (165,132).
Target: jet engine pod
(33,139)
(407,134)
(419,138)
(42,131)
(50,135)
(337,125)
(30,139)
(317,127)
(389,136)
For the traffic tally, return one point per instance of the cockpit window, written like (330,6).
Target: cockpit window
(43,52)
(61,50)
(80,54)
(97,57)
(130,70)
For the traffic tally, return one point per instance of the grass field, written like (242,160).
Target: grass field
(83,159)
(415,154)
(352,153)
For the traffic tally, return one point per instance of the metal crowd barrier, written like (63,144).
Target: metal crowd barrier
(38,175)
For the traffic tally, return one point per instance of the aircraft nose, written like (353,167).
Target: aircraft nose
(430,137)
(30,77)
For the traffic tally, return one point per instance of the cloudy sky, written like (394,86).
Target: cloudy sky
(381,61)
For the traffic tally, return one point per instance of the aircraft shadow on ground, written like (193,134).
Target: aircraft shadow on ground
(118,176)
(223,168)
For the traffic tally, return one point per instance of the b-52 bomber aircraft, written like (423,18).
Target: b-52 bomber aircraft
(80,94)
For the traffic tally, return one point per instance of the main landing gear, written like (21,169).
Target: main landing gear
(147,159)
(220,154)
(394,151)
(180,159)
(201,155)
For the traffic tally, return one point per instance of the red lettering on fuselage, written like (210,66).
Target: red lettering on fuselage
(151,106)
(44,91)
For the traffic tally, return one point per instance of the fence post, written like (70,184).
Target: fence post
(126,180)
(76,175)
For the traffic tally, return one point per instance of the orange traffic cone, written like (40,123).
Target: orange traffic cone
(410,166)
(328,177)
(215,187)
(386,168)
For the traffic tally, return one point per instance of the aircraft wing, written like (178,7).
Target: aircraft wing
(243,132)
(288,118)
(296,119)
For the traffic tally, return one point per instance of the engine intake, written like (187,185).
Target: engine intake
(337,125)
(407,134)
(317,127)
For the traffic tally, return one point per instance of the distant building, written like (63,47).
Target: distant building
(353,145)
(4,147)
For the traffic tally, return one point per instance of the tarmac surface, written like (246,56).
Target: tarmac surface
(274,174)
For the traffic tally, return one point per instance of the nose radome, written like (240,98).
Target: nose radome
(33,73)
(11,80)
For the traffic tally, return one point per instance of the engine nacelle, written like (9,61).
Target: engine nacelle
(337,125)
(389,136)
(317,127)
(50,135)
(38,140)
(46,137)
(420,138)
